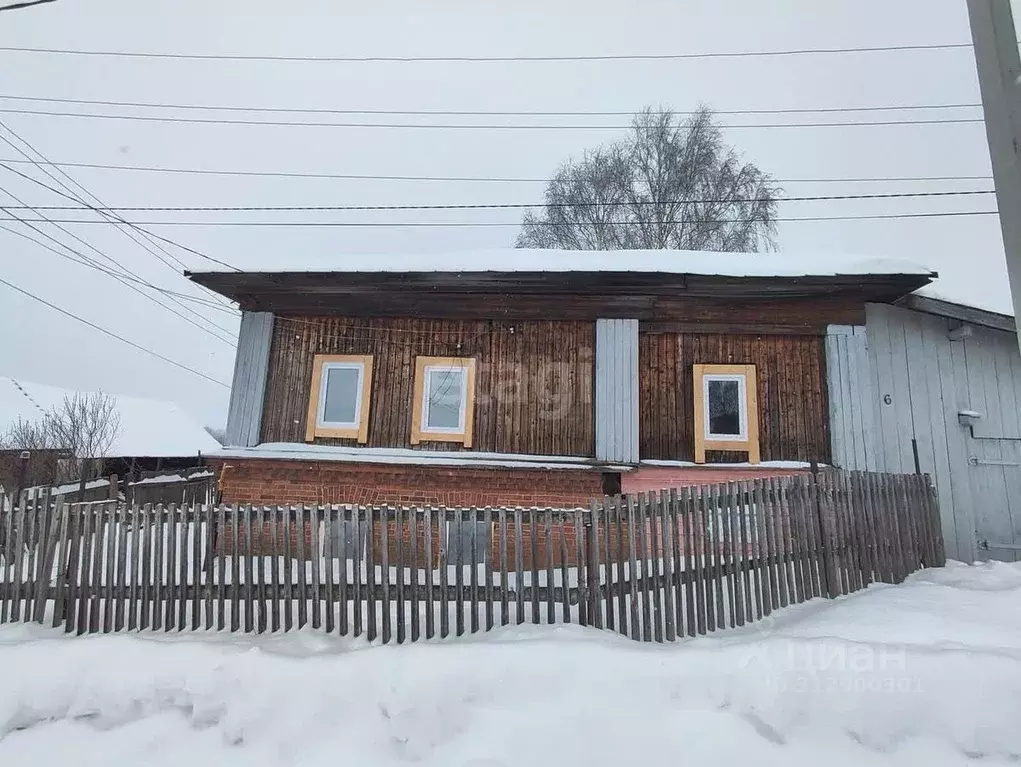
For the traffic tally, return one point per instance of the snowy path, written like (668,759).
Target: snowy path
(926,673)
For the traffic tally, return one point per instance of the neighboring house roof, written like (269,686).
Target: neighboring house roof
(148,428)
(931,303)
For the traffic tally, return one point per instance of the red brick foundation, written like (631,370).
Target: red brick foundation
(317,482)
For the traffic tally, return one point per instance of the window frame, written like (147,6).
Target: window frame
(315,427)
(420,431)
(748,440)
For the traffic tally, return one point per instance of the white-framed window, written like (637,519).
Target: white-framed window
(726,410)
(339,397)
(444,400)
(725,403)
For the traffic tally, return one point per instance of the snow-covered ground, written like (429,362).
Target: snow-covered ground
(926,673)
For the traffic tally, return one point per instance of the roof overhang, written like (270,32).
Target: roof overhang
(590,293)
(960,312)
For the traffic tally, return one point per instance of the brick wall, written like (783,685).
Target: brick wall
(317,482)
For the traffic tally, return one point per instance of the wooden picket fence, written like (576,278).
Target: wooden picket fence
(654,567)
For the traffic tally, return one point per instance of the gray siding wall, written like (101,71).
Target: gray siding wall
(617,391)
(849,382)
(922,380)
(244,417)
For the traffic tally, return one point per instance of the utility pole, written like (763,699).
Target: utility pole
(999,70)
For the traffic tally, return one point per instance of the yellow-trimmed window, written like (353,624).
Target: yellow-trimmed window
(338,402)
(444,406)
(726,410)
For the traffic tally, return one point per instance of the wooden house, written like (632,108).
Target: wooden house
(535,377)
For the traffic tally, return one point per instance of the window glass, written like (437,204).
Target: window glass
(444,399)
(724,397)
(342,394)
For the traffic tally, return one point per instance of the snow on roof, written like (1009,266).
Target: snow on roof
(998,303)
(529,260)
(148,428)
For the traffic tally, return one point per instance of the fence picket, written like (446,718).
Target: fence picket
(386,629)
(184,566)
(316,555)
(694,593)
(810,525)
(593,569)
(580,557)
(168,576)
(565,580)
(209,562)
(221,567)
(148,593)
(746,549)
(430,609)
(235,568)
(441,539)
(48,542)
(18,579)
(413,527)
(60,583)
(109,562)
(787,592)
(458,536)
(488,556)
(642,574)
(85,589)
(7,556)
(547,514)
(533,538)
(301,524)
(702,518)
(28,583)
(401,564)
(519,568)
(632,528)
(871,542)
(735,508)
(671,596)
(345,525)
(254,566)
(473,576)
(120,576)
(791,505)
(504,601)
(622,578)
(357,556)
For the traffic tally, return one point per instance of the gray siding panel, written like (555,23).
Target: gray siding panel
(244,416)
(617,391)
(850,398)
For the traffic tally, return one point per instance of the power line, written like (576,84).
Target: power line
(455,179)
(103,330)
(469,224)
(26,4)
(505,206)
(476,113)
(102,211)
(494,59)
(92,264)
(461,126)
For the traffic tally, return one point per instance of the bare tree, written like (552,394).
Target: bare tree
(84,424)
(667,185)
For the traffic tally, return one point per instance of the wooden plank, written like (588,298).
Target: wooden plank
(868,507)
(72,594)
(110,566)
(18,579)
(401,563)
(147,590)
(858,554)
(473,521)
(565,581)
(657,517)
(845,566)
(235,568)
(209,562)
(533,526)
(607,557)
(787,596)
(707,564)
(619,521)
(762,553)
(98,601)
(580,557)
(48,532)
(370,590)
(671,597)
(735,510)
(7,552)
(772,553)
(719,555)
(789,504)
(221,580)
(196,514)
(430,607)
(384,571)
(456,536)
(301,559)
(183,566)
(504,601)
(593,567)
(441,538)
(122,566)
(31,549)
(316,554)
(170,573)
(61,574)
(644,562)
(550,596)
(412,515)
(357,555)
(810,524)
(746,549)
(246,555)
(345,524)
(694,586)
(488,557)
(632,528)
(85,583)
(258,559)
(885,527)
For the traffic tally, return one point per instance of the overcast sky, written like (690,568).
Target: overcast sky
(39,344)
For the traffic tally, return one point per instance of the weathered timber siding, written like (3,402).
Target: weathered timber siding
(249,386)
(534,384)
(852,409)
(617,391)
(791,370)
